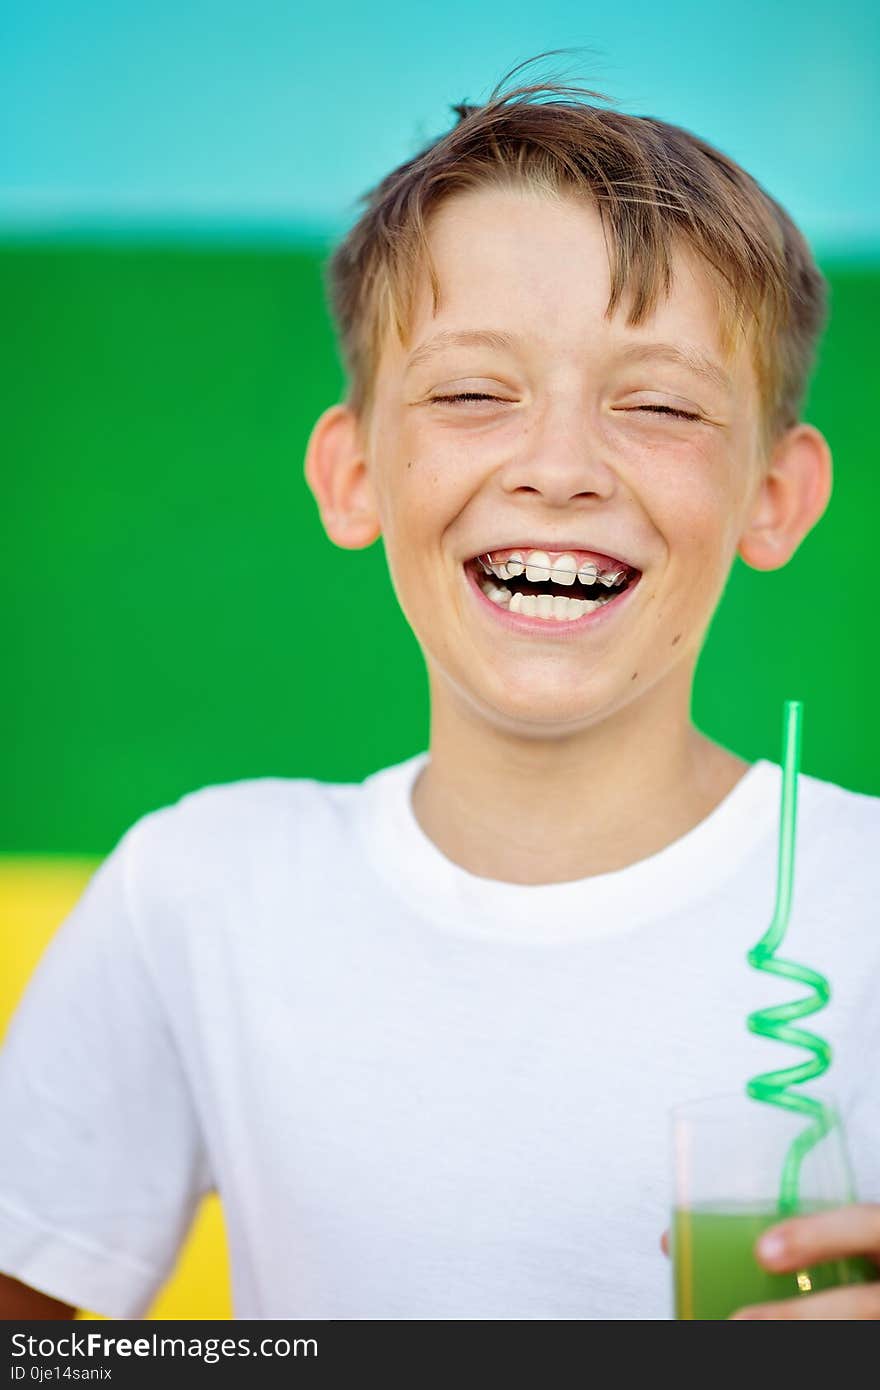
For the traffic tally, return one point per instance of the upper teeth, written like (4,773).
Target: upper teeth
(563,569)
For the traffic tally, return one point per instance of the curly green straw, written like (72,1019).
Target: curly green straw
(773,1087)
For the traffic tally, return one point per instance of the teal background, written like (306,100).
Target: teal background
(266,116)
(173,612)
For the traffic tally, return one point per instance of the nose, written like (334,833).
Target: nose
(561,457)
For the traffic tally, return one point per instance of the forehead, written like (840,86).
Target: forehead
(536,268)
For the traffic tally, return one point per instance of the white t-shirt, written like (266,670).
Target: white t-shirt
(419,1093)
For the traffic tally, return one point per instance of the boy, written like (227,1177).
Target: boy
(422,1033)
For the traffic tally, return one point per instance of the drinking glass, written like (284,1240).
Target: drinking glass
(728,1154)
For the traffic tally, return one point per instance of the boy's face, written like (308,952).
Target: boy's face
(568,452)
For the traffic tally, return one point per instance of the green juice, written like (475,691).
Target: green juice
(715,1268)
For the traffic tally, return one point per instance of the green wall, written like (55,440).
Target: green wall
(155,517)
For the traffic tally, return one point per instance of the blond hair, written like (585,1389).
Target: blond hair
(653,184)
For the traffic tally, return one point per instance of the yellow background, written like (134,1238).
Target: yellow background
(36,894)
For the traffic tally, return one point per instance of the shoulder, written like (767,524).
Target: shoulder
(225,832)
(837,858)
(840,813)
(251,800)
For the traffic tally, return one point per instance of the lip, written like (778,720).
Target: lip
(557,548)
(550,627)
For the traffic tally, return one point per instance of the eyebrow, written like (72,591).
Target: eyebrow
(678,355)
(466,337)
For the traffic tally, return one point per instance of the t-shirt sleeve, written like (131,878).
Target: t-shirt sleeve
(102,1161)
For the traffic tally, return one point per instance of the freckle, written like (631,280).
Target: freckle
(633,676)
(676,639)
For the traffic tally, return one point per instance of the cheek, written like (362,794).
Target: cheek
(693,502)
(421,498)
(432,481)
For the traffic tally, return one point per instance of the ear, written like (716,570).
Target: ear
(793,494)
(336,471)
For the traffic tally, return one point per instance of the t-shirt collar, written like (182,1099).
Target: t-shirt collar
(694,866)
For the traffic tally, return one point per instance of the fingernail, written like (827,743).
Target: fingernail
(771,1246)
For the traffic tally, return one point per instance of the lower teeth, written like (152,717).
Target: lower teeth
(553,607)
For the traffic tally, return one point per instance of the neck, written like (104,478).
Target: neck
(549,810)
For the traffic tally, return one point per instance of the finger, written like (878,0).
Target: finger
(664,1242)
(853,1303)
(825,1235)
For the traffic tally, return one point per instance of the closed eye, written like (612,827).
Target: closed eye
(668,410)
(467,396)
(481,396)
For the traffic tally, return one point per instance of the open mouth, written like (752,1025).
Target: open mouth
(548,598)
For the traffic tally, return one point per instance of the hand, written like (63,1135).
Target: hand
(809,1240)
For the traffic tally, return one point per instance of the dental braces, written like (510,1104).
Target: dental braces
(607,578)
